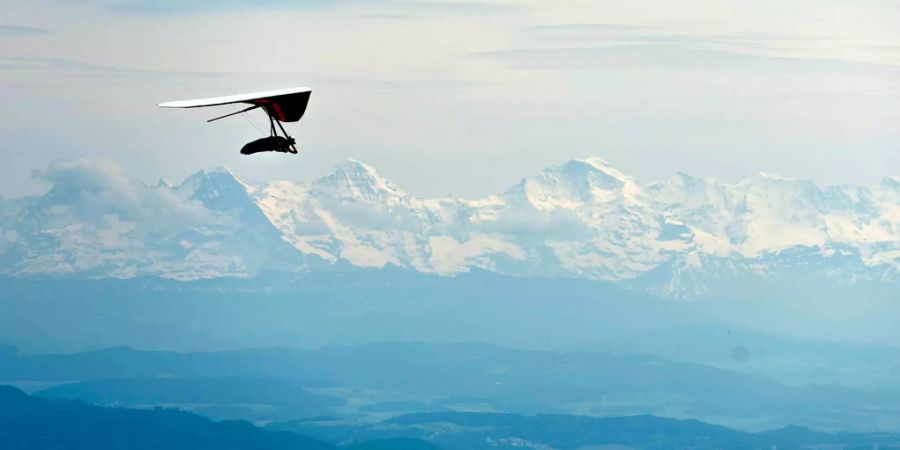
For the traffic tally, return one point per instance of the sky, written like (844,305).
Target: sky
(460,98)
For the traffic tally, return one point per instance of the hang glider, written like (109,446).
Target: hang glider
(282,105)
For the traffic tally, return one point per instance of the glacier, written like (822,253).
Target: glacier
(684,237)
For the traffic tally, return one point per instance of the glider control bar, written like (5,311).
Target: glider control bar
(235,113)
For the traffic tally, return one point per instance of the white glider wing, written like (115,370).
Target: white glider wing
(253,97)
(283,105)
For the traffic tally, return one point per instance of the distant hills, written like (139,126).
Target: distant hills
(380,380)
(357,306)
(484,431)
(32,423)
(29,423)
(682,237)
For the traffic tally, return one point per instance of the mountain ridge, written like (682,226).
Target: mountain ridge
(582,219)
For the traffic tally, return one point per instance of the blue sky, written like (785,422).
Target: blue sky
(459,97)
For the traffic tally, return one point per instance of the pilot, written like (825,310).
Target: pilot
(270,144)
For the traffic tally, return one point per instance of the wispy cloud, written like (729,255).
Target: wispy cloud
(202,6)
(413,10)
(467,8)
(582,28)
(17,30)
(588,34)
(611,46)
(411,7)
(67,67)
(669,55)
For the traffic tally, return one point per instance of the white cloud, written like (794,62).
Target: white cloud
(102,192)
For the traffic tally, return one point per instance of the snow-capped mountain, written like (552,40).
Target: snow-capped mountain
(682,236)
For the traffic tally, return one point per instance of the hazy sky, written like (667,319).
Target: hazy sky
(462,98)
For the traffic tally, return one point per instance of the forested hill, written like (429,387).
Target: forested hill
(31,423)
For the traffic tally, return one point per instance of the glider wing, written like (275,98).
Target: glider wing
(284,105)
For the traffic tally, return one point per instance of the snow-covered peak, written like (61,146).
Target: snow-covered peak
(218,189)
(767,176)
(600,165)
(217,171)
(211,178)
(575,184)
(357,180)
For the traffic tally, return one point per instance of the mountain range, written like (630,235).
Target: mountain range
(684,236)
